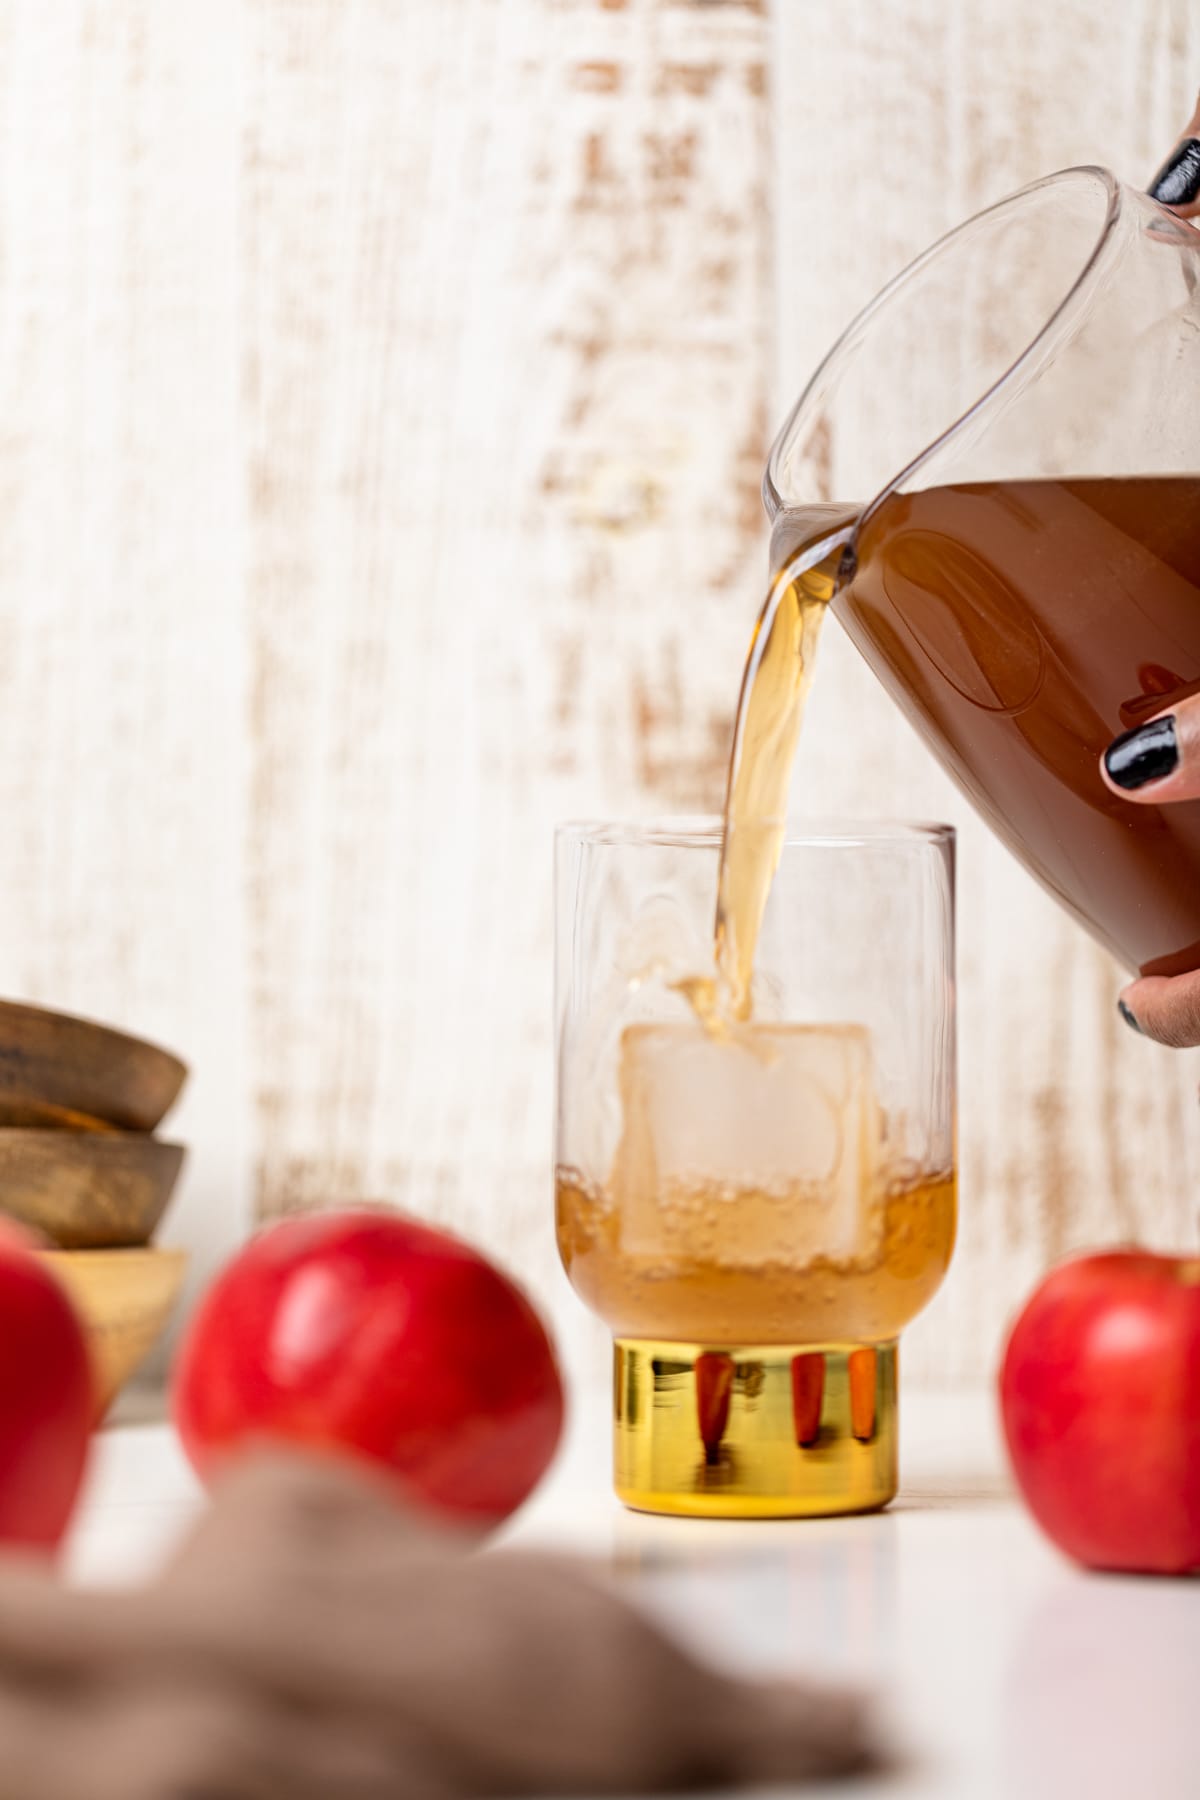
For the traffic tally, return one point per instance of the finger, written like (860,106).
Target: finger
(1177,183)
(1159,761)
(1164,1008)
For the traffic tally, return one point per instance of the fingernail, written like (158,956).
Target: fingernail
(1147,754)
(1127,1014)
(1178,181)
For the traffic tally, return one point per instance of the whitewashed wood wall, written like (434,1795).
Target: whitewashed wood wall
(384,388)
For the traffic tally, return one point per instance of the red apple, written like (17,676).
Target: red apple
(1100,1392)
(45,1398)
(364,1331)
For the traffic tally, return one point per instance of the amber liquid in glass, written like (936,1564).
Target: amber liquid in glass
(701,1284)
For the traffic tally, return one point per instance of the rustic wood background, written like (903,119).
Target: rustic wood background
(384,389)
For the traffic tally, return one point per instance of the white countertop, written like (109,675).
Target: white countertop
(1007,1671)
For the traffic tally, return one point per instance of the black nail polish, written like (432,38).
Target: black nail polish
(1178,181)
(1148,753)
(1128,1017)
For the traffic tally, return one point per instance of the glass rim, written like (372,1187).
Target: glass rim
(1074,300)
(703,831)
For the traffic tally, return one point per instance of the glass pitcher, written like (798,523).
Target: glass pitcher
(1024,570)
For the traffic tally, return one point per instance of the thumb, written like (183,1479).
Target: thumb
(1159,761)
(1177,183)
(1166,1009)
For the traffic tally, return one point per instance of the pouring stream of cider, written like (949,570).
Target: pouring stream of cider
(775,684)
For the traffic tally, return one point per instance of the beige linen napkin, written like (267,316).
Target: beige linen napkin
(310,1642)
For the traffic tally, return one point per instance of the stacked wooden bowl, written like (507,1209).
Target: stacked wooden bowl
(80,1164)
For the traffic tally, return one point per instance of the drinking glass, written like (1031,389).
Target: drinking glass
(756,1210)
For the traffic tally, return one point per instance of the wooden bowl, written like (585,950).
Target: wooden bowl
(59,1070)
(87,1190)
(125,1298)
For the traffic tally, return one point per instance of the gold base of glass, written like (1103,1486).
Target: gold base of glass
(754,1432)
